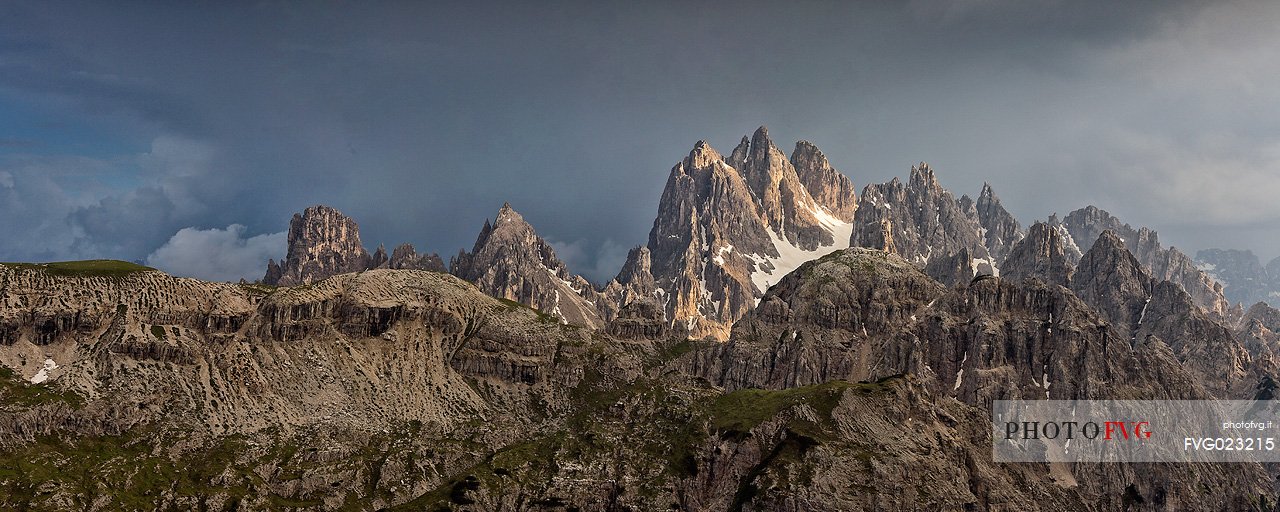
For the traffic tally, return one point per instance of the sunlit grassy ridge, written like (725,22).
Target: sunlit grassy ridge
(84,268)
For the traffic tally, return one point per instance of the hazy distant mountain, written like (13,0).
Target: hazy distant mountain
(1242,276)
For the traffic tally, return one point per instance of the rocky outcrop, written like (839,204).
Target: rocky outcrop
(639,319)
(510,261)
(953,270)
(727,228)
(829,188)
(1114,282)
(322,242)
(1042,254)
(925,221)
(405,257)
(863,315)
(1170,264)
(633,283)
(1000,230)
(1205,348)
(1259,332)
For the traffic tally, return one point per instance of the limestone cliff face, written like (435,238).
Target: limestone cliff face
(926,221)
(829,188)
(1088,223)
(1001,230)
(727,228)
(511,261)
(1259,332)
(1115,283)
(864,315)
(1042,255)
(322,242)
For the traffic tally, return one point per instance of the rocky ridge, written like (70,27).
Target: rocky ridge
(323,242)
(925,221)
(512,262)
(407,390)
(1170,264)
(728,227)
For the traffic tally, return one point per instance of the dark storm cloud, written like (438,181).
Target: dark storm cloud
(420,119)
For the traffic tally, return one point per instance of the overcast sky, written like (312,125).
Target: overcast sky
(188,136)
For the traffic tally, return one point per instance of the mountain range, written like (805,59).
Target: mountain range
(780,342)
(727,228)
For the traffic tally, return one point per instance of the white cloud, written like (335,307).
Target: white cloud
(218,254)
(6,179)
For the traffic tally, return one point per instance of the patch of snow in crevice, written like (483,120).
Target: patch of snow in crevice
(556,310)
(960,373)
(1045,377)
(976,262)
(719,257)
(791,257)
(43,374)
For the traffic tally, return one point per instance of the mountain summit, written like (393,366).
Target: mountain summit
(510,261)
(727,228)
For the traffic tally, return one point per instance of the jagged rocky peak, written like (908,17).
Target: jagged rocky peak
(405,257)
(637,273)
(1042,254)
(783,202)
(1163,264)
(830,188)
(1259,332)
(926,220)
(510,261)
(702,156)
(728,227)
(380,258)
(1001,229)
(1073,251)
(1113,281)
(322,242)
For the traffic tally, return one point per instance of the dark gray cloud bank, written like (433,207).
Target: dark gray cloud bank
(189,134)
